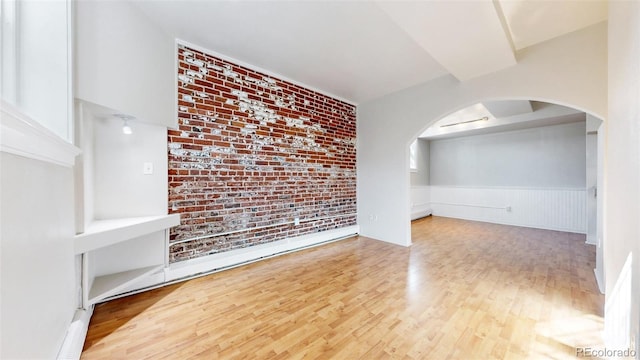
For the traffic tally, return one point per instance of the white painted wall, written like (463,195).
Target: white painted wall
(622,167)
(146,250)
(420,176)
(111,184)
(543,157)
(386,126)
(538,174)
(42,70)
(120,187)
(37,261)
(124,61)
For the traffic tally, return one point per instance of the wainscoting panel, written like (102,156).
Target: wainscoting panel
(420,201)
(553,209)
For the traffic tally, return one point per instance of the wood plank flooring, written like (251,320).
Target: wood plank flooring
(463,290)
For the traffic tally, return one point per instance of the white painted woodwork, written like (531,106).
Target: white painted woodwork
(123,210)
(102,233)
(591,178)
(599,270)
(552,209)
(618,309)
(420,201)
(36,74)
(22,135)
(108,285)
(76,335)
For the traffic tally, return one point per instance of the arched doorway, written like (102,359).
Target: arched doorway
(515,162)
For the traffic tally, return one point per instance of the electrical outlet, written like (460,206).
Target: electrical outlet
(296,221)
(147,168)
(508,208)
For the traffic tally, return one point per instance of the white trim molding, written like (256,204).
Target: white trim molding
(541,208)
(193,268)
(23,136)
(76,334)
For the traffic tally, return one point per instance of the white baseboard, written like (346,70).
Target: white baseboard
(511,223)
(417,214)
(74,340)
(188,268)
(76,334)
(191,268)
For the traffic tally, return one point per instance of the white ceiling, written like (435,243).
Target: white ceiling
(361,50)
(532,22)
(470,38)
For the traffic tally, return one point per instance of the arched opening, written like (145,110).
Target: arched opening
(529,164)
(526,163)
(387,127)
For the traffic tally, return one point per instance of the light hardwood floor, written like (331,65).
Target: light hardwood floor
(463,290)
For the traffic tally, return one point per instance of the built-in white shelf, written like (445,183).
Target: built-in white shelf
(108,285)
(101,233)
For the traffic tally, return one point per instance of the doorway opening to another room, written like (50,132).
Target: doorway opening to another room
(515,162)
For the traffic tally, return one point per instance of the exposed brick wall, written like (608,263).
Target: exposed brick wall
(253,151)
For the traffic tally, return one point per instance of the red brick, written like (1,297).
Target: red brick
(260,174)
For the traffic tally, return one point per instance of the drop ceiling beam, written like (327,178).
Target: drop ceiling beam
(502,109)
(466,37)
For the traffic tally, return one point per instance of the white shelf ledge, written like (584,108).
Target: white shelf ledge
(23,136)
(112,284)
(101,233)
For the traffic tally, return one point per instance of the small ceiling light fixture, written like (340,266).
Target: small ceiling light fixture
(126,129)
(484,118)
